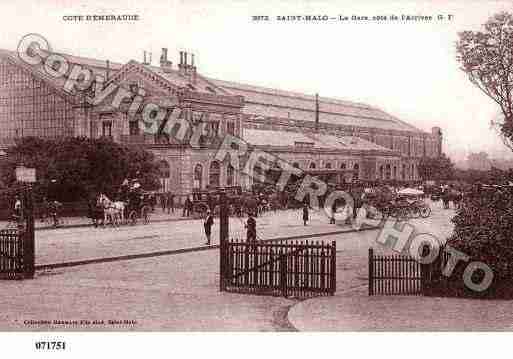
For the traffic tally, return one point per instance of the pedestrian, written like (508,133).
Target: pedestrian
(170,202)
(17,208)
(153,201)
(209,222)
(250,228)
(186,207)
(163,202)
(189,208)
(333,211)
(305,213)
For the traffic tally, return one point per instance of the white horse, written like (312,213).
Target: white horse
(113,210)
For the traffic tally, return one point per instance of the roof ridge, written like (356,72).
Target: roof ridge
(293,94)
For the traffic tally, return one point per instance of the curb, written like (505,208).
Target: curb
(182,250)
(84,225)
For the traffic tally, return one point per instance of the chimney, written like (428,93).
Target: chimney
(147,56)
(165,64)
(193,70)
(185,59)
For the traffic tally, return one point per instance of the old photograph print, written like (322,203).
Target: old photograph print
(178,166)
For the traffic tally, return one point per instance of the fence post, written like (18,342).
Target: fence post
(223,238)
(283,274)
(28,235)
(333,267)
(371,271)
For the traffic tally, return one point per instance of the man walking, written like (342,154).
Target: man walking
(305,213)
(209,222)
(251,229)
(163,202)
(170,202)
(186,206)
(333,211)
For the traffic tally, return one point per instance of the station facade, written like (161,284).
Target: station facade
(342,140)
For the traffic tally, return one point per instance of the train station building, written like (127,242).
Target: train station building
(341,140)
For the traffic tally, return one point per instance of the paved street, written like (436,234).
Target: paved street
(351,309)
(72,244)
(169,293)
(180,292)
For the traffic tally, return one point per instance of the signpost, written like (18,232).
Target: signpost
(27,176)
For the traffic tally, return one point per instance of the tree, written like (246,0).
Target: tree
(72,168)
(439,168)
(487,58)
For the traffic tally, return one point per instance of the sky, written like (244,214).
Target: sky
(407,68)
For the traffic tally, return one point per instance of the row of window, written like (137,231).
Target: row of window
(214,175)
(388,172)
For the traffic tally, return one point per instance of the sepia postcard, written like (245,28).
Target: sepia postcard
(175,166)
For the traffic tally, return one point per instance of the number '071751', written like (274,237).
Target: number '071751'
(50,345)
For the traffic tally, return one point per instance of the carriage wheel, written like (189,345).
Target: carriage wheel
(425,211)
(415,211)
(400,214)
(132,218)
(145,214)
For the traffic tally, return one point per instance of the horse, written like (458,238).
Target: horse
(451,195)
(113,210)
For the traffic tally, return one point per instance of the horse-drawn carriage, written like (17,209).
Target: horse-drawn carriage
(132,204)
(407,203)
(138,207)
(204,200)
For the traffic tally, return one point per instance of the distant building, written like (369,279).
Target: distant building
(479,161)
(343,140)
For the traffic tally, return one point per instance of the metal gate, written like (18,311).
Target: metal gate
(12,259)
(298,269)
(402,275)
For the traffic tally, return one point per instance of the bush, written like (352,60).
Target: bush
(484,231)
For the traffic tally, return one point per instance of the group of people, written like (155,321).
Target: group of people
(167,202)
(250,225)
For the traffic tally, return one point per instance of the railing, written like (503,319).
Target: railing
(11,254)
(402,275)
(298,269)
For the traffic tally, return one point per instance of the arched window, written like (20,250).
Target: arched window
(198,176)
(214,174)
(388,172)
(356,173)
(328,165)
(295,165)
(229,175)
(395,172)
(343,166)
(312,165)
(164,169)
